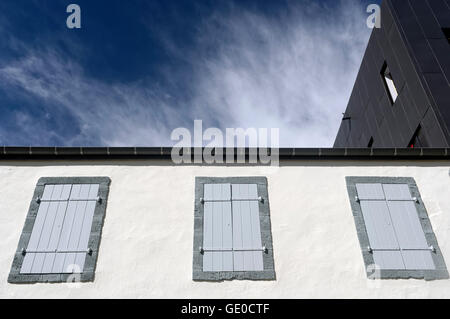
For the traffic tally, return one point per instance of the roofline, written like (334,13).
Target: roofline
(107,153)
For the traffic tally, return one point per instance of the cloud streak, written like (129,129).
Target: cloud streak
(293,70)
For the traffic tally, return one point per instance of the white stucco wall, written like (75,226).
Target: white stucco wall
(146,247)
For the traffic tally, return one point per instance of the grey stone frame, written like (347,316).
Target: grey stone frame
(266,234)
(15,277)
(441,270)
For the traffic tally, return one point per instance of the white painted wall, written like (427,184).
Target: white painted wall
(146,248)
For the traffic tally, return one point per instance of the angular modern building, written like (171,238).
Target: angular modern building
(401,96)
(129,223)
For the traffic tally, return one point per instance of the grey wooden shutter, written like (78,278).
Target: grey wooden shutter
(393,227)
(217,228)
(231,228)
(410,235)
(60,235)
(247,245)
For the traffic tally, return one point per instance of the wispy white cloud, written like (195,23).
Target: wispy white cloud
(293,71)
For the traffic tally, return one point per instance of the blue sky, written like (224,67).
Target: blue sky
(138,69)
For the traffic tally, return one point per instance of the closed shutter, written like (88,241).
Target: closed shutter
(231,233)
(411,238)
(393,227)
(59,239)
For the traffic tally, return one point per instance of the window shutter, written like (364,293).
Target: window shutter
(60,235)
(411,238)
(247,236)
(232,232)
(395,233)
(248,255)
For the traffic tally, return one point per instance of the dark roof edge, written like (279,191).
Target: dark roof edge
(105,153)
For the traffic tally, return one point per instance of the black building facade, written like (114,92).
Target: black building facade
(401,97)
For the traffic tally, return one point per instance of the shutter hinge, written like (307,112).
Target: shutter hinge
(202,200)
(89,251)
(265,249)
(369,249)
(38,200)
(24,251)
(261,199)
(416,200)
(201,250)
(99,199)
(357,199)
(433,249)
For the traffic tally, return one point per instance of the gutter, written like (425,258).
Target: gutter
(163,153)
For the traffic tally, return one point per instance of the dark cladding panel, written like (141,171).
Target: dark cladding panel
(387,20)
(441,49)
(426,19)
(391,59)
(406,19)
(432,130)
(441,11)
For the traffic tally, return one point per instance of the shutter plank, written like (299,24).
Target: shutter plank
(258,264)
(407,225)
(57,226)
(75,193)
(58,263)
(391,260)
(84,191)
(48,191)
(217,192)
(207,261)
(217,262)
(378,224)
(38,263)
(255,224)
(77,225)
(208,227)
(397,191)
(227,261)
(79,262)
(38,226)
(248,261)
(238,261)
(27,263)
(86,226)
(244,191)
(370,191)
(93,191)
(67,226)
(65,194)
(217,226)
(418,259)
(48,226)
(48,263)
(69,263)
